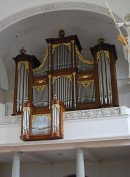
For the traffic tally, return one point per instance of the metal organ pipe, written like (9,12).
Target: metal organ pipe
(26,115)
(18,93)
(22,92)
(23,80)
(104,79)
(55,117)
(105,62)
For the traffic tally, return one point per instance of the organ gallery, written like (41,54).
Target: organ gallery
(63,81)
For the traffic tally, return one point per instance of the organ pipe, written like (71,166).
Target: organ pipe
(57,118)
(23,76)
(105,57)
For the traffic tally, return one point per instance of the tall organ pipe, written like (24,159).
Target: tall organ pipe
(105,61)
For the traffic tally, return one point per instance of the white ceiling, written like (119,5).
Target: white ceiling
(32,32)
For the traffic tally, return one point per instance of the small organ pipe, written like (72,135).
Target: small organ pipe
(106,77)
(18,91)
(102,77)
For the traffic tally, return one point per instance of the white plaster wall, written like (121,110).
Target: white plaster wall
(96,128)
(92,129)
(3,76)
(11,9)
(123,82)
(60,169)
(116,168)
(112,168)
(2,110)
(124,99)
(8,108)
(10,134)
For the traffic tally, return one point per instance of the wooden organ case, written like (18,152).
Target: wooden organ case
(64,80)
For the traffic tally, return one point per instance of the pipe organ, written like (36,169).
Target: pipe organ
(76,82)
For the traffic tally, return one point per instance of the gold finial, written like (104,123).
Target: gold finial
(101,40)
(22,50)
(61,33)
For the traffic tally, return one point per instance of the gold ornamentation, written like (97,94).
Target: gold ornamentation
(36,115)
(121,39)
(85,76)
(49,45)
(42,81)
(81,58)
(68,76)
(40,88)
(26,64)
(49,76)
(57,45)
(106,53)
(85,83)
(72,41)
(55,105)
(54,46)
(56,77)
(26,109)
(43,61)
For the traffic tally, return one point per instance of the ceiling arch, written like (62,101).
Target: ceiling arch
(50,7)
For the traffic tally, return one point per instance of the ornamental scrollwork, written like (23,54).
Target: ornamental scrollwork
(43,61)
(83,59)
(54,46)
(39,88)
(36,115)
(55,106)
(25,63)
(85,83)
(106,54)
(56,77)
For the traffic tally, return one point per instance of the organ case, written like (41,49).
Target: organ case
(77,82)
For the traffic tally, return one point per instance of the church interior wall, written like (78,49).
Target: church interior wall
(113,168)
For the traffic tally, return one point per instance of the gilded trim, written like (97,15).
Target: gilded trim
(54,46)
(43,61)
(26,109)
(85,83)
(56,77)
(85,76)
(81,58)
(107,55)
(55,105)
(42,81)
(34,116)
(39,88)
(26,64)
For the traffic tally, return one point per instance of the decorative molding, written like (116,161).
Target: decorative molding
(11,120)
(55,6)
(76,115)
(92,113)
